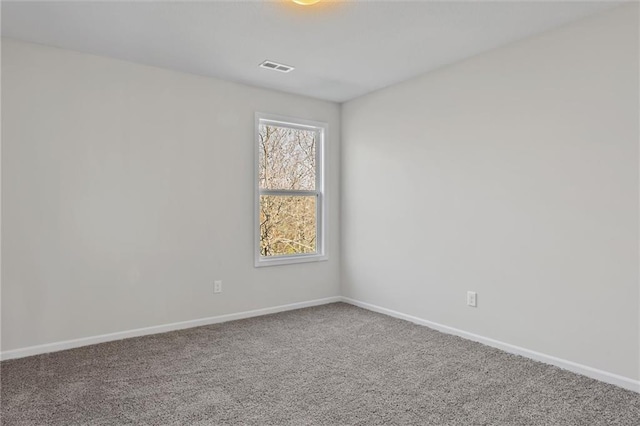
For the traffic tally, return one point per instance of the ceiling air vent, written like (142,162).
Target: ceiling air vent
(270,65)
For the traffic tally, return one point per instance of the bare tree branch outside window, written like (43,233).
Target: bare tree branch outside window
(287,162)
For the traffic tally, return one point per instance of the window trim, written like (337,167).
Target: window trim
(320,191)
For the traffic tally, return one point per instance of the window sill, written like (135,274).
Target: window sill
(289,260)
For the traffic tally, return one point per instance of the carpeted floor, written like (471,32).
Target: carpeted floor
(329,365)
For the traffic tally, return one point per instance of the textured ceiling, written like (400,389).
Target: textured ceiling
(341,50)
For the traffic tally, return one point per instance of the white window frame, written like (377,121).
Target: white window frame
(319,192)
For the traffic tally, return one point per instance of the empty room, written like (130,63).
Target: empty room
(320,212)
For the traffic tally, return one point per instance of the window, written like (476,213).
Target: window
(289,224)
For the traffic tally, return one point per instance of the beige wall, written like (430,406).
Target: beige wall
(513,174)
(126,190)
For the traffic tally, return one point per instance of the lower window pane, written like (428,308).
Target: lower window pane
(287,225)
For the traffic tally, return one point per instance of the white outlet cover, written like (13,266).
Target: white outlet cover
(472,298)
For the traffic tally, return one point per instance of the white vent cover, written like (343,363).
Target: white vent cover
(270,65)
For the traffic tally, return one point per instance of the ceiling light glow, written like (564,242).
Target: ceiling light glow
(305,2)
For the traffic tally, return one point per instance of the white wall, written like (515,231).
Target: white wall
(514,174)
(126,190)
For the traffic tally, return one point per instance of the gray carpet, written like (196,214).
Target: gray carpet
(329,365)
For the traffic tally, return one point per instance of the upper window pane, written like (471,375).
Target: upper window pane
(287,158)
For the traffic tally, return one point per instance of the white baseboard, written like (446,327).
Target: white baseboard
(85,341)
(594,373)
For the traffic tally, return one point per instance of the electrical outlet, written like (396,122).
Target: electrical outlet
(472,298)
(217,286)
